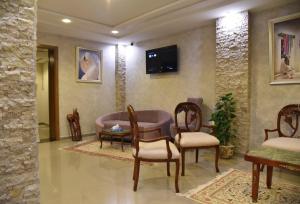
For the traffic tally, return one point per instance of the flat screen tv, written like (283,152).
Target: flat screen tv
(161,60)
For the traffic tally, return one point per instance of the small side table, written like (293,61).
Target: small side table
(119,134)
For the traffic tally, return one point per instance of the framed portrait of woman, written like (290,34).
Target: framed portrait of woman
(284,50)
(88,65)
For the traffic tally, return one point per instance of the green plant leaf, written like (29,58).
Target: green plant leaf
(222,116)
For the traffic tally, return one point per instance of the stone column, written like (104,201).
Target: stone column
(232,69)
(19,180)
(120,77)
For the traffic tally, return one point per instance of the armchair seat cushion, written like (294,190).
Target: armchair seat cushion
(156,150)
(284,143)
(196,139)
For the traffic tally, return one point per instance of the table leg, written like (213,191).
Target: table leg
(122,144)
(255,181)
(100,138)
(111,138)
(269,176)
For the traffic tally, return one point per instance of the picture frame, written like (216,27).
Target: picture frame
(284,49)
(88,65)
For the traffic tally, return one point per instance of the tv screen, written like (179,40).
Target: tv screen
(161,60)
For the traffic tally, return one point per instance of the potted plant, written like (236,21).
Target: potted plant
(222,117)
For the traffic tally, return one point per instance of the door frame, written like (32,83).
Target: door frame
(53,91)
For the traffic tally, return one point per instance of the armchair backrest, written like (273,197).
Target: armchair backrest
(197,101)
(192,110)
(134,125)
(288,120)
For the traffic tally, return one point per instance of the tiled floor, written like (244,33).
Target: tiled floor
(76,178)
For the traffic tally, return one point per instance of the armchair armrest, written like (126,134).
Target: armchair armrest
(211,127)
(267,133)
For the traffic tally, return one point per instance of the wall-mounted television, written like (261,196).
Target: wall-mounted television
(161,60)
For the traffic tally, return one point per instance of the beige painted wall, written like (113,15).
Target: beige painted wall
(91,99)
(266,100)
(42,92)
(196,75)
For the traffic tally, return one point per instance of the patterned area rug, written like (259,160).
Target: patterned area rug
(107,150)
(234,187)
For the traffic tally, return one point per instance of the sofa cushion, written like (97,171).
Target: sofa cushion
(122,123)
(195,139)
(126,124)
(285,143)
(156,150)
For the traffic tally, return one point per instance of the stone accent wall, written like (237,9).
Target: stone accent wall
(232,69)
(120,78)
(19,181)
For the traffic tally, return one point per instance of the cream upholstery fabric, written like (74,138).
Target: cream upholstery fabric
(285,143)
(196,139)
(156,150)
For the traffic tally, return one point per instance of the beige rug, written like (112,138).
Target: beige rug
(234,187)
(107,150)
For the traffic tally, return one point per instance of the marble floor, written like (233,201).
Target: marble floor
(76,178)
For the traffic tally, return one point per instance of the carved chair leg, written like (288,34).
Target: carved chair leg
(197,154)
(168,168)
(217,159)
(182,161)
(137,172)
(176,176)
(134,170)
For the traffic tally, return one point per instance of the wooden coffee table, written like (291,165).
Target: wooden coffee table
(118,134)
(270,157)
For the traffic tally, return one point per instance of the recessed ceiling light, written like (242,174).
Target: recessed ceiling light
(114,32)
(66,20)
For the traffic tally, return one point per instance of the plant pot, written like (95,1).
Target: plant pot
(226,152)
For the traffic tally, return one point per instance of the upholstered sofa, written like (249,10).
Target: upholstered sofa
(146,119)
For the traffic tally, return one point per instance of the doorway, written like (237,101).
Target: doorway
(47,93)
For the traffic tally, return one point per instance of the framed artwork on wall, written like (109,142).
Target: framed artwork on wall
(88,65)
(284,49)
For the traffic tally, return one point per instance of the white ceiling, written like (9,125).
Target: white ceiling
(137,20)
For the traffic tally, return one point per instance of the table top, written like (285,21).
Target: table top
(275,155)
(110,132)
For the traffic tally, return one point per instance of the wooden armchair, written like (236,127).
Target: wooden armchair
(190,137)
(151,150)
(287,128)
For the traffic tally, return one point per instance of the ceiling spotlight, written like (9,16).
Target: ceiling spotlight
(114,32)
(66,20)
